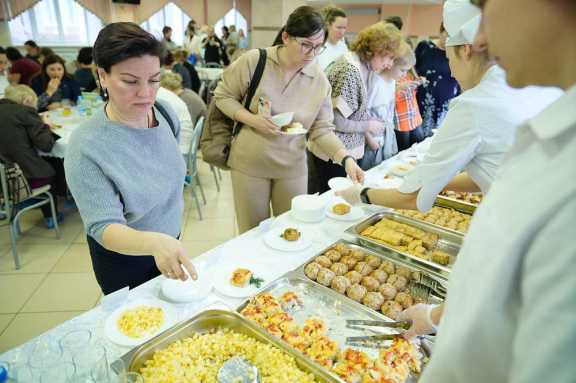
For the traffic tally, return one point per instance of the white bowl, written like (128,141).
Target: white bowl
(282,118)
(308,208)
(340,183)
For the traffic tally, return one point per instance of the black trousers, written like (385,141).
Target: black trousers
(115,271)
(407,139)
(324,171)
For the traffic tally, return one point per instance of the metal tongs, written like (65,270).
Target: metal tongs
(373,341)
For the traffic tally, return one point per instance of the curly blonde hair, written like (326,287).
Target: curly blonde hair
(171,81)
(377,39)
(21,94)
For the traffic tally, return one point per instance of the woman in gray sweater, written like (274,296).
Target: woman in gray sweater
(124,168)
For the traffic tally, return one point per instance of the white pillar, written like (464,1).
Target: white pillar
(5,38)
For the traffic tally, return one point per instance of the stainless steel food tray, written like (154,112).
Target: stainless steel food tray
(448,241)
(329,306)
(456,204)
(213,319)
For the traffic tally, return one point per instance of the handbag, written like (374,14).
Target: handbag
(220,130)
(18,188)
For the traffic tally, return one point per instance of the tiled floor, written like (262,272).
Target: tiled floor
(56,281)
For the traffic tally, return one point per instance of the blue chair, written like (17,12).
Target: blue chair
(193,179)
(13,211)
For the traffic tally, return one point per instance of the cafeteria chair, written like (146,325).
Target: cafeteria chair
(13,211)
(193,179)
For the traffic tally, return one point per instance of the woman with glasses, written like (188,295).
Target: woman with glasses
(269,166)
(373,51)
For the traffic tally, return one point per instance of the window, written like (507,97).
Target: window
(233,17)
(171,15)
(55,22)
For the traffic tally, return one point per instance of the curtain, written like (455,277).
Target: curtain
(100,8)
(10,9)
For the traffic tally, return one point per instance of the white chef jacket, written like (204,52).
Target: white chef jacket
(186,124)
(331,53)
(478,130)
(510,315)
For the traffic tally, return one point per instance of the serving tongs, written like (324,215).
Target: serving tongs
(423,287)
(373,341)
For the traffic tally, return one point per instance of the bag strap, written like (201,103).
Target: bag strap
(166,116)
(254,82)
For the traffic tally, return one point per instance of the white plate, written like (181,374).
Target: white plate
(115,335)
(282,118)
(354,214)
(222,276)
(294,132)
(340,183)
(402,169)
(189,290)
(274,240)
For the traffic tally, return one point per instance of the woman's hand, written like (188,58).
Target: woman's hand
(375,127)
(354,172)
(264,125)
(52,86)
(170,258)
(351,195)
(421,318)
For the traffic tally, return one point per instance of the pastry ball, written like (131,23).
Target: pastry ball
(340,284)
(388,291)
(370,283)
(398,281)
(333,255)
(358,255)
(353,276)
(403,271)
(342,249)
(325,276)
(348,261)
(391,309)
(404,299)
(323,261)
(374,300)
(388,267)
(380,275)
(363,268)
(339,268)
(311,270)
(373,260)
(356,292)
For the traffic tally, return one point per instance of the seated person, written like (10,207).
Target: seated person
(28,134)
(84,75)
(193,101)
(32,50)
(3,69)
(186,124)
(53,84)
(22,69)
(181,57)
(176,67)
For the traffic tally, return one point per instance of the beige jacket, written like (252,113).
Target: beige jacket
(308,95)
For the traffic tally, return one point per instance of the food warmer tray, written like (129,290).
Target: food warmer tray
(211,320)
(448,241)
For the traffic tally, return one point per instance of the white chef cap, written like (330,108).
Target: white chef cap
(461,21)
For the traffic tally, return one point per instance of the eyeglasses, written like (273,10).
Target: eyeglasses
(308,48)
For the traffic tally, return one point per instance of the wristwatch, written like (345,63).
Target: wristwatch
(364,196)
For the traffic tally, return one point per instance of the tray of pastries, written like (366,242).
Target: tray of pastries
(410,240)
(443,217)
(461,201)
(194,351)
(313,320)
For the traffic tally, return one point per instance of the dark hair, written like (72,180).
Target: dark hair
(31,43)
(191,27)
(225,31)
(2,50)
(46,52)
(395,20)
(13,54)
(49,60)
(330,14)
(85,56)
(305,21)
(168,58)
(117,42)
(166,29)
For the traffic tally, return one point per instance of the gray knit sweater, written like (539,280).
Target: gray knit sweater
(130,176)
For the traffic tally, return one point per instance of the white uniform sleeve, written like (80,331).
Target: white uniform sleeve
(545,341)
(453,147)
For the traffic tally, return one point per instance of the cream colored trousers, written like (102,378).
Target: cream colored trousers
(254,196)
